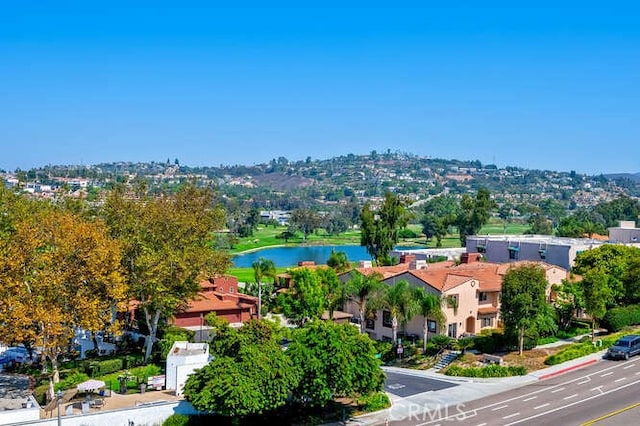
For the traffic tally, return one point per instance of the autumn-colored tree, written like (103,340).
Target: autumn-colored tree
(166,248)
(59,272)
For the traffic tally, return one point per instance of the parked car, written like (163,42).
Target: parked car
(625,347)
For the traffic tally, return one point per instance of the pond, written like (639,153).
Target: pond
(290,256)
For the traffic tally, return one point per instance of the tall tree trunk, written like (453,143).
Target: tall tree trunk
(394,328)
(259,299)
(153,330)
(362,314)
(425,335)
(521,340)
(593,328)
(54,366)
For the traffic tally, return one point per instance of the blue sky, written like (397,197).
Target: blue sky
(543,87)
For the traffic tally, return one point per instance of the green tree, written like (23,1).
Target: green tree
(474,213)
(252,376)
(305,300)
(439,213)
(167,248)
(262,268)
(336,361)
(305,221)
(338,261)
(430,307)
(332,288)
(523,299)
(402,305)
(539,224)
(365,291)
(568,302)
(615,261)
(597,295)
(379,229)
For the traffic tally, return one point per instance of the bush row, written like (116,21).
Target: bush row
(488,371)
(618,318)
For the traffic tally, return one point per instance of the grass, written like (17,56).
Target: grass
(246,274)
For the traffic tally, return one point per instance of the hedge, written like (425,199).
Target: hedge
(578,350)
(100,368)
(486,372)
(618,318)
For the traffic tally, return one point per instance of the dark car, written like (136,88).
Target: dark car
(625,347)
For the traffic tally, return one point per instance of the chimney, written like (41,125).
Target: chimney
(364,264)
(470,257)
(417,264)
(407,258)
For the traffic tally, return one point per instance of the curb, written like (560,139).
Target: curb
(567,369)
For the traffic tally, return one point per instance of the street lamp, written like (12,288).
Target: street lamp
(59,398)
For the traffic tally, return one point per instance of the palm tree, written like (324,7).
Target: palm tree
(262,268)
(365,291)
(402,305)
(430,307)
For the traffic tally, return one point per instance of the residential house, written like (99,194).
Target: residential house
(221,296)
(470,292)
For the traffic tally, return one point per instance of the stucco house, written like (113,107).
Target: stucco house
(470,291)
(220,295)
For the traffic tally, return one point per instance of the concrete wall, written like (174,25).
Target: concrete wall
(149,415)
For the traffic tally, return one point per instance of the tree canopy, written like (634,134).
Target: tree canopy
(336,360)
(523,301)
(379,228)
(166,248)
(59,272)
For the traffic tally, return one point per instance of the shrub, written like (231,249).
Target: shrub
(71,381)
(100,368)
(618,318)
(490,342)
(407,233)
(574,351)
(176,420)
(385,349)
(440,341)
(374,402)
(493,370)
(545,340)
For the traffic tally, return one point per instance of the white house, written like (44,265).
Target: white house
(183,359)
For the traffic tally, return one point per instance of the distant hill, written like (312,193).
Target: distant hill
(635,177)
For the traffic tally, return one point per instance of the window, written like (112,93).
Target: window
(486,322)
(543,253)
(513,252)
(370,323)
(482,248)
(386,319)
(230,289)
(432,326)
(452,301)
(482,296)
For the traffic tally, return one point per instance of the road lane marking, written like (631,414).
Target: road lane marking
(511,415)
(482,424)
(613,413)
(606,374)
(637,373)
(499,408)
(558,390)
(584,381)
(529,399)
(628,366)
(570,396)
(541,406)
(619,380)
(562,407)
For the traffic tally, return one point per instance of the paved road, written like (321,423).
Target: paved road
(604,393)
(404,385)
